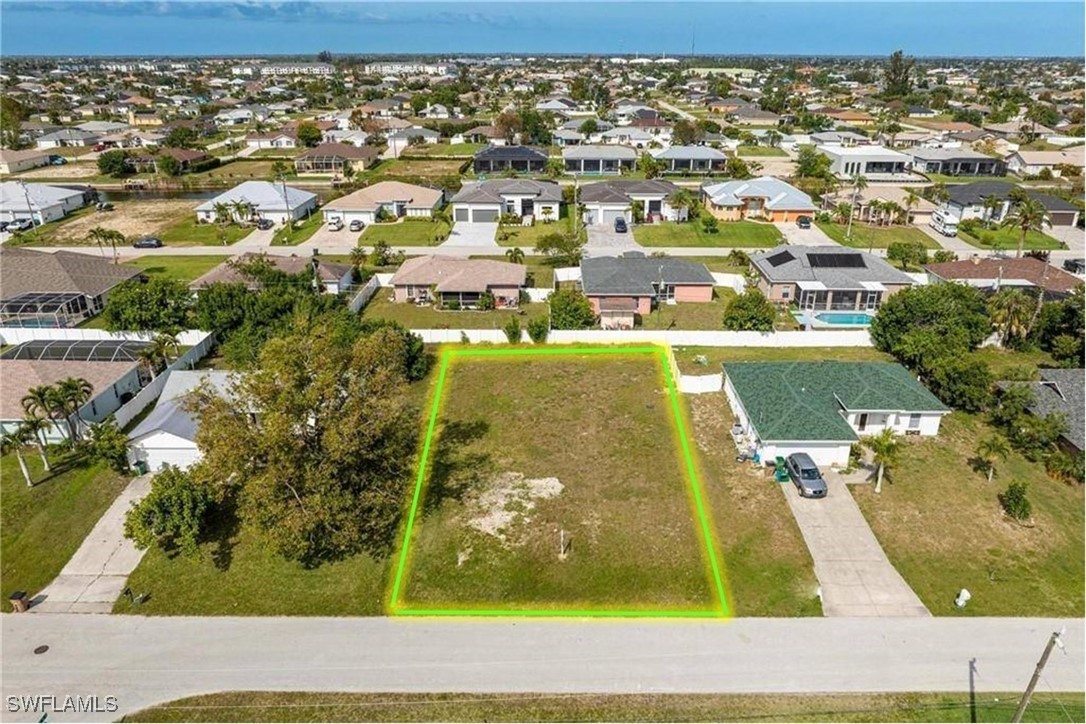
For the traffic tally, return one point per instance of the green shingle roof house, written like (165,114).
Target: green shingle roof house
(821,408)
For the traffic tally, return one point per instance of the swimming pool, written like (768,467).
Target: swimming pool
(835,319)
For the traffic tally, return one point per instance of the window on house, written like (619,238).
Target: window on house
(914,420)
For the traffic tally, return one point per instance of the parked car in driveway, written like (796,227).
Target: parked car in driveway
(803,222)
(356,225)
(335,225)
(21,225)
(620,226)
(806,476)
(56,160)
(147,242)
(103,206)
(265,224)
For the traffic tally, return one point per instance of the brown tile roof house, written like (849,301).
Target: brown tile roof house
(386,193)
(460,280)
(333,158)
(17,376)
(334,276)
(996,273)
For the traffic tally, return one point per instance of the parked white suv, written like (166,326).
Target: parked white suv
(335,224)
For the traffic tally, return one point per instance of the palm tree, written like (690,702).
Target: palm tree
(242,210)
(859,183)
(1028,215)
(44,402)
(874,211)
(99,236)
(359,255)
(515,255)
(38,427)
(74,392)
(886,448)
(989,204)
(16,441)
(1009,310)
(157,354)
(939,192)
(989,450)
(224,214)
(911,202)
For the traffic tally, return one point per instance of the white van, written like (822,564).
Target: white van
(945,225)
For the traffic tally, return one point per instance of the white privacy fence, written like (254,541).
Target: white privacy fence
(735,282)
(18,335)
(364,294)
(676,338)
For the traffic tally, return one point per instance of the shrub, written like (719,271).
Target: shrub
(171,515)
(908,253)
(486,301)
(944,255)
(570,309)
(1014,501)
(750,312)
(963,383)
(512,330)
(452,305)
(538,329)
(709,224)
(107,444)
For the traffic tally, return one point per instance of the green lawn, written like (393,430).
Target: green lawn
(260,706)
(283,153)
(185,268)
(431,168)
(689,358)
(745,150)
(487,531)
(1007,238)
(730,234)
(455,150)
(942,527)
(41,527)
(189,233)
(408,232)
(415,317)
(235,172)
(690,315)
(298,232)
(943,178)
(875,237)
(526,237)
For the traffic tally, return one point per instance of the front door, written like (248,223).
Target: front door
(861,423)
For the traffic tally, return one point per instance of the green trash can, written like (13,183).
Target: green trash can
(141,467)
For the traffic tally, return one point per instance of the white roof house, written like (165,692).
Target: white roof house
(268,201)
(772,193)
(167,436)
(41,202)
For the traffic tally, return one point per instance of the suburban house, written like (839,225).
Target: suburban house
(605,201)
(956,162)
(1060,392)
(112,367)
(598,159)
(691,159)
(621,288)
(967,201)
(485,201)
(628,136)
(919,208)
(167,436)
(874,162)
(847,139)
(993,274)
(67,137)
(481,134)
(1016,129)
(1032,163)
(398,199)
(15,161)
(765,198)
(271,139)
(333,278)
(458,282)
(335,158)
(40,289)
(185,159)
(269,201)
(826,278)
(403,137)
(519,159)
(823,408)
(40,203)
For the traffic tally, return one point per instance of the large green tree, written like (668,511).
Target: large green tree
(570,309)
(931,321)
(316,443)
(158,305)
(750,312)
(12,115)
(897,75)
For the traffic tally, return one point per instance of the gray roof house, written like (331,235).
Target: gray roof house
(485,201)
(826,278)
(167,436)
(68,137)
(523,159)
(598,159)
(696,159)
(956,162)
(622,289)
(606,201)
(1061,392)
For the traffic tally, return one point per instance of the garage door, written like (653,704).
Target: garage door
(1062,218)
(483,215)
(461,214)
(158,457)
(610,216)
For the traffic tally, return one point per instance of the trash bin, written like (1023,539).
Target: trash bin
(141,467)
(20,602)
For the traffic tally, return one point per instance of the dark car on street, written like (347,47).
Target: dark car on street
(806,476)
(147,242)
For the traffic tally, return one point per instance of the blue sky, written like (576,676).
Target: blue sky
(147,27)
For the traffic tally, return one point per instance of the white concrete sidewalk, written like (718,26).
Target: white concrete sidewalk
(856,577)
(95,576)
(480,235)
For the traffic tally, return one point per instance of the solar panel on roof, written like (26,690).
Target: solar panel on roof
(781,258)
(836,261)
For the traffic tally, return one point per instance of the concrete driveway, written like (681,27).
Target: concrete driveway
(854,573)
(1074,237)
(327,241)
(479,234)
(603,240)
(813,236)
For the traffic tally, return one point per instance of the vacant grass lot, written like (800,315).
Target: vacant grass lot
(408,232)
(434,168)
(731,233)
(41,527)
(745,150)
(185,268)
(1007,238)
(688,357)
(259,706)
(131,218)
(600,425)
(876,237)
(452,150)
(942,527)
(426,317)
(690,315)
(186,232)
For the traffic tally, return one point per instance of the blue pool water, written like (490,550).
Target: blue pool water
(844,319)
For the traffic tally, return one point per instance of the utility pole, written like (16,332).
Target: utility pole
(1053,641)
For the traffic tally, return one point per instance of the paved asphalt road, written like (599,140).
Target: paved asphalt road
(143,661)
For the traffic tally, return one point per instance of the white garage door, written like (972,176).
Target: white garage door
(828,453)
(157,458)
(484,215)
(460,214)
(610,216)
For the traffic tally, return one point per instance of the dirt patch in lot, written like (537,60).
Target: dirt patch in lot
(509,500)
(131,218)
(68,170)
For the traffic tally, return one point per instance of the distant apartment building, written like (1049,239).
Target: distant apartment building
(402,68)
(291,69)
